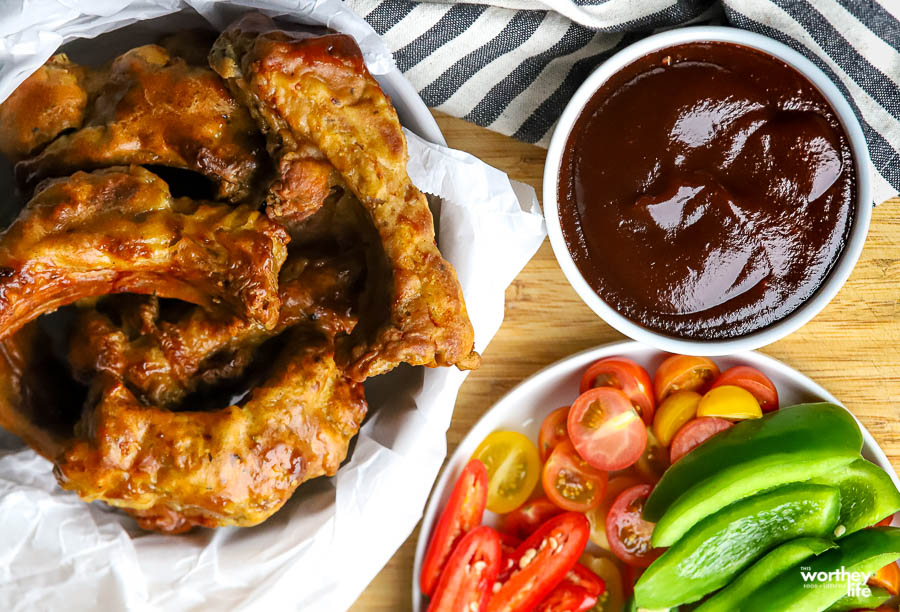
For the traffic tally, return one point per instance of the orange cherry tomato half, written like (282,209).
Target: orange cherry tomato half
(684,373)
(468,580)
(627,376)
(570,482)
(754,381)
(525,520)
(541,563)
(462,513)
(887,578)
(553,431)
(694,434)
(606,430)
(628,533)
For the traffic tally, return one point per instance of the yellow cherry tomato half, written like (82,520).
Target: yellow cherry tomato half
(729,402)
(613,597)
(513,467)
(674,412)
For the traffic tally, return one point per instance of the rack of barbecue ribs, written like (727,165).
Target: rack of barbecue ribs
(216,346)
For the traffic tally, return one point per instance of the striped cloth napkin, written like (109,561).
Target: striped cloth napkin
(511,65)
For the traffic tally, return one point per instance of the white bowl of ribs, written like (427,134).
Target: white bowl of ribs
(220,341)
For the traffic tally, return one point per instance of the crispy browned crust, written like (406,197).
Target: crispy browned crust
(147,107)
(119,230)
(162,361)
(314,88)
(234,466)
(51,100)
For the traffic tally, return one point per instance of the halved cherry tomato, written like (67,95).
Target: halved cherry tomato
(462,513)
(624,374)
(570,482)
(674,412)
(613,597)
(729,402)
(653,461)
(628,533)
(567,597)
(541,562)
(605,429)
(631,576)
(684,373)
(525,520)
(597,516)
(553,431)
(470,574)
(887,578)
(694,434)
(754,381)
(513,468)
(885,522)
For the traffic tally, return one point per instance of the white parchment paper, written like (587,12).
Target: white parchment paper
(329,541)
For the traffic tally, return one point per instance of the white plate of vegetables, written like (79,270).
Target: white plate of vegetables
(623,478)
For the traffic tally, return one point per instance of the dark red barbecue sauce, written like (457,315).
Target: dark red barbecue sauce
(706,190)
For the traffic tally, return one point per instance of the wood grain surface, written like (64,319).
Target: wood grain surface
(852,348)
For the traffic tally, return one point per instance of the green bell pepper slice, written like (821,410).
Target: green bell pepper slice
(861,602)
(720,546)
(786,446)
(867,495)
(799,589)
(787,555)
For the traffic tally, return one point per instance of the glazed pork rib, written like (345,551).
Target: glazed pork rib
(313,88)
(119,230)
(47,103)
(147,107)
(162,361)
(233,466)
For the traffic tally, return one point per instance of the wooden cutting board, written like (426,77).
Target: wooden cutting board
(852,348)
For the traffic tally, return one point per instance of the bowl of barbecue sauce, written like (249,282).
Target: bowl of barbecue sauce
(707,190)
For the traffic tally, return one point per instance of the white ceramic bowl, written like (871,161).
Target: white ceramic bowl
(525,407)
(833,282)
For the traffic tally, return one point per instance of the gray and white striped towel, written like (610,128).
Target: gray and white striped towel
(511,65)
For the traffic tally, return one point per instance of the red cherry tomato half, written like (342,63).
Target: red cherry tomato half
(525,520)
(628,533)
(632,574)
(570,483)
(606,430)
(463,513)
(541,562)
(471,571)
(553,431)
(567,598)
(684,373)
(695,433)
(753,381)
(627,376)
(885,522)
